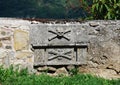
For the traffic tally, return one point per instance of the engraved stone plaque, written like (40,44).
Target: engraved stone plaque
(44,35)
(60,56)
(58,44)
(60,35)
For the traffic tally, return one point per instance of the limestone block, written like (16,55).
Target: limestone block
(39,56)
(6,61)
(18,63)
(114,66)
(4,57)
(46,68)
(0,44)
(21,40)
(61,71)
(23,54)
(82,53)
(70,67)
(3,53)
(5,32)
(63,56)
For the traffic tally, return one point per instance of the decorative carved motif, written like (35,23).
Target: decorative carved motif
(59,34)
(59,54)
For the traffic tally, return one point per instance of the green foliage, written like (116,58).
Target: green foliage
(106,9)
(55,9)
(74,71)
(14,77)
(61,9)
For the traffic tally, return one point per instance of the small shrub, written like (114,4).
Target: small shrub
(106,9)
(101,9)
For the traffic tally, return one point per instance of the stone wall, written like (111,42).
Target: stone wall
(103,56)
(14,43)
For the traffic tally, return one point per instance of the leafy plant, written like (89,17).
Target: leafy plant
(106,9)
(101,9)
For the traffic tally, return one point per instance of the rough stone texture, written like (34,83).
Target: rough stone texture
(61,71)
(101,72)
(45,68)
(57,35)
(14,43)
(0,44)
(102,37)
(70,67)
(21,40)
(58,44)
(23,54)
(3,53)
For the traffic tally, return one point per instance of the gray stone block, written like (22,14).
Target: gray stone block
(58,44)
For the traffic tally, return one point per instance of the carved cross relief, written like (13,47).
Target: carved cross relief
(59,34)
(59,54)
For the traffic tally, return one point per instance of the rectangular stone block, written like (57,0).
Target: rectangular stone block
(82,55)
(44,35)
(39,57)
(38,35)
(60,56)
(60,35)
(58,44)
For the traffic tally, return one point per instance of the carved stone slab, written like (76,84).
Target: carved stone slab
(58,44)
(60,35)
(60,56)
(44,35)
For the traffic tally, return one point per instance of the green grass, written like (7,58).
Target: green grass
(14,77)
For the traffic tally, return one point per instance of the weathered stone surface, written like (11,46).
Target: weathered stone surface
(45,68)
(3,53)
(21,40)
(39,55)
(70,67)
(62,71)
(60,56)
(93,24)
(5,32)
(115,67)
(18,62)
(1,62)
(23,54)
(60,44)
(6,61)
(5,38)
(0,44)
(57,34)
(8,47)
(100,72)
(82,55)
